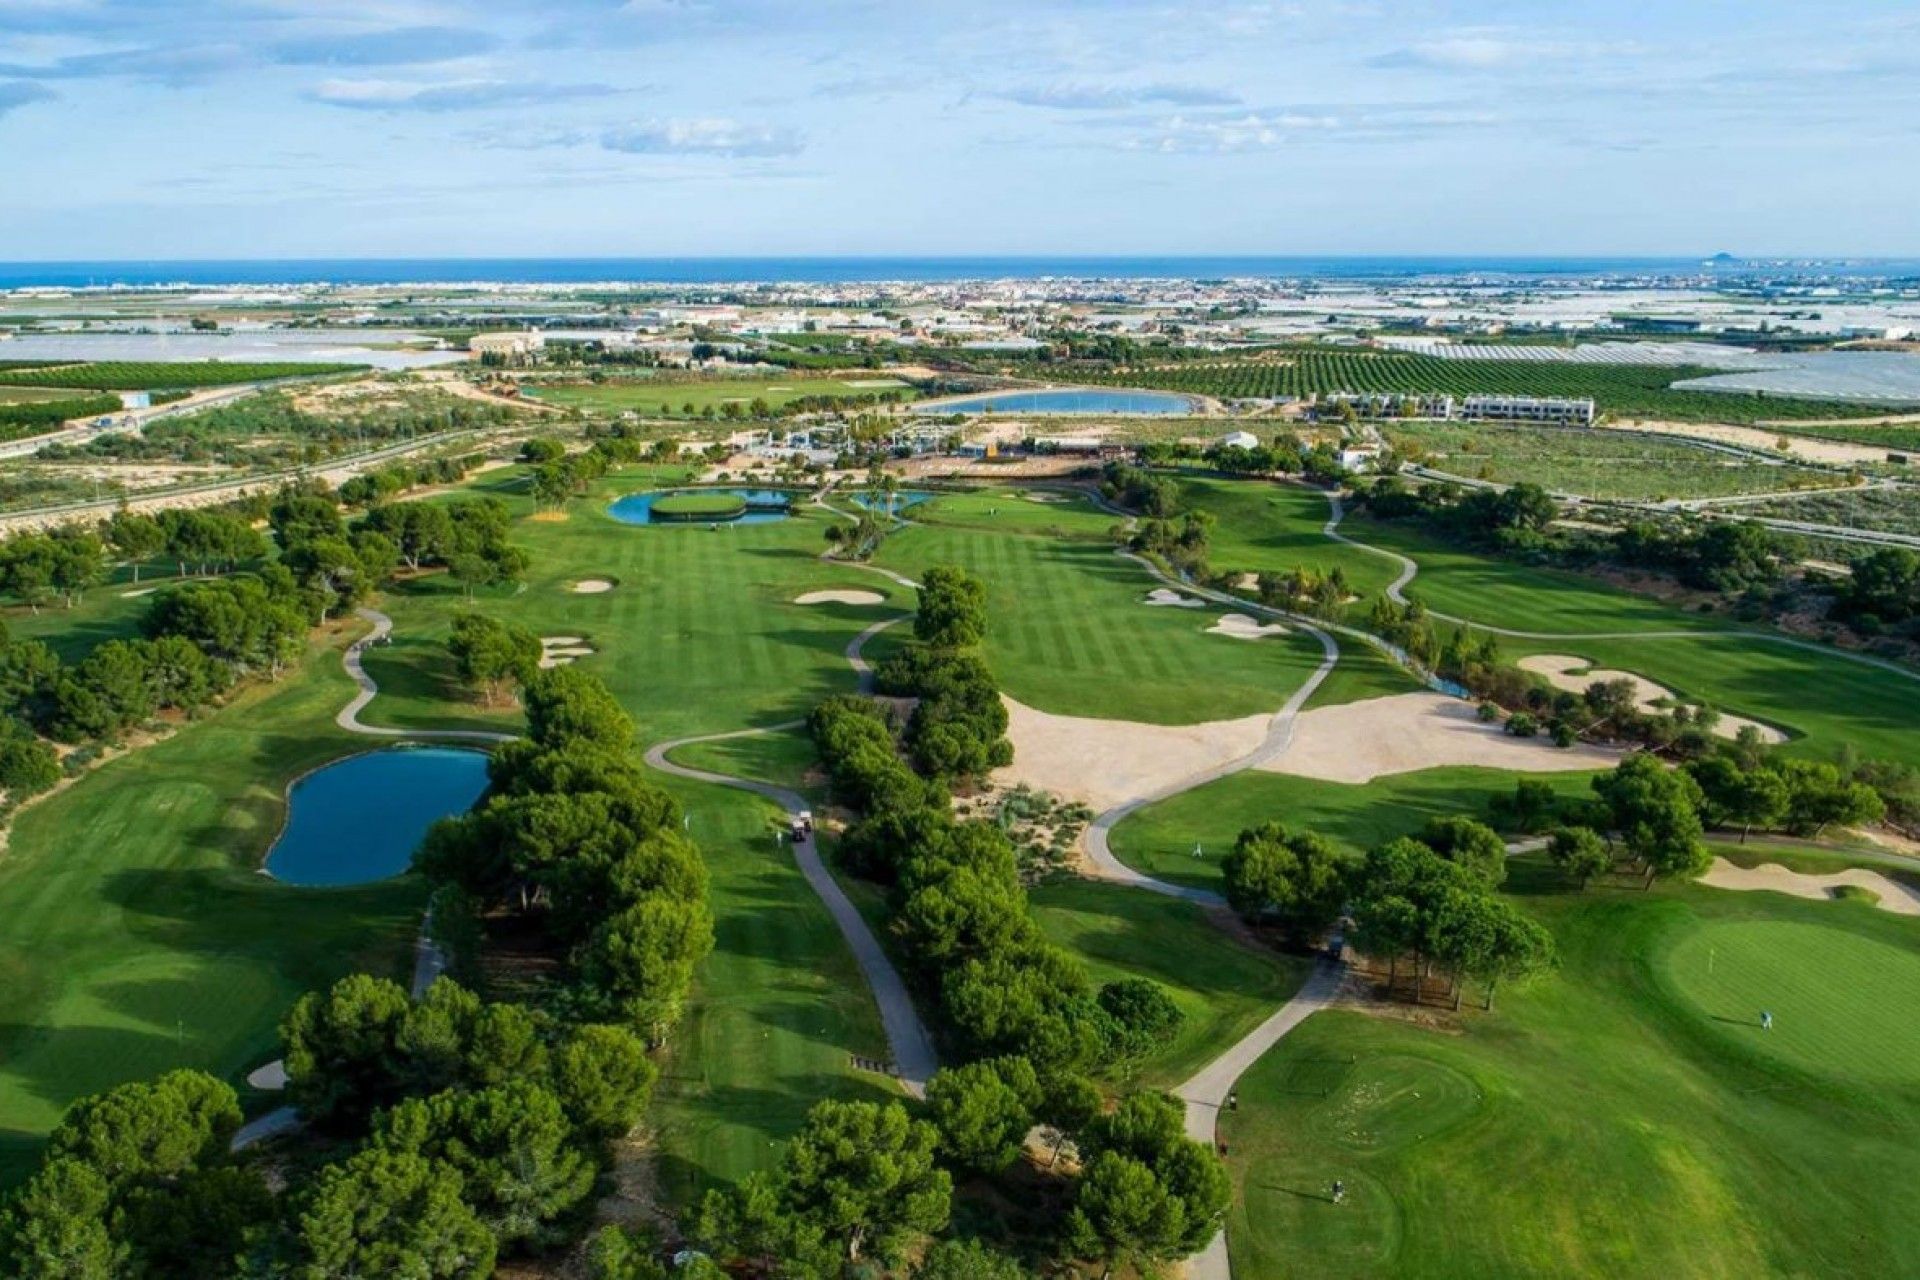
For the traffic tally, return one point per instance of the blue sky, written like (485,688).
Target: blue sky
(262,128)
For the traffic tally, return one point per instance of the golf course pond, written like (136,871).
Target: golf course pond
(1069,400)
(702,506)
(891,503)
(359,819)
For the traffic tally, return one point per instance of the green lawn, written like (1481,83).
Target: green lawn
(669,399)
(136,934)
(777,1011)
(700,635)
(1070,632)
(1624,1118)
(1225,987)
(787,759)
(1160,838)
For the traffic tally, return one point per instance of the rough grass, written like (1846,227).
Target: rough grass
(1604,1122)
(669,399)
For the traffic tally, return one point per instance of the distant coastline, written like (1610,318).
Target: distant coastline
(854,270)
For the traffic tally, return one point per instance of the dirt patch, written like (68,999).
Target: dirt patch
(1163,597)
(1241,627)
(591,586)
(840,597)
(548,517)
(1360,741)
(1769,441)
(1565,671)
(1044,495)
(1894,896)
(1103,763)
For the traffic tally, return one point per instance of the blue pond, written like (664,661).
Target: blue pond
(1078,400)
(763,506)
(358,819)
(891,503)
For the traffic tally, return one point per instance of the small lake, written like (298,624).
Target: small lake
(891,503)
(359,819)
(763,506)
(1069,400)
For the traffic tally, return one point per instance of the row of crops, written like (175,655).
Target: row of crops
(1624,390)
(149,375)
(35,416)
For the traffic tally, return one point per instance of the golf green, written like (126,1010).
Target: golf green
(1841,1004)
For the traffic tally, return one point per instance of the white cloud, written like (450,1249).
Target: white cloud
(459,95)
(1097,97)
(703,135)
(1271,130)
(1493,51)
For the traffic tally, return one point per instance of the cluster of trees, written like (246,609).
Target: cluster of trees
(1303,590)
(1883,590)
(1180,537)
(1032,1028)
(371,488)
(492,656)
(474,1129)
(959,725)
(1432,898)
(338,567)
(559,476)
(467,537)
(1138,489)
(574,841)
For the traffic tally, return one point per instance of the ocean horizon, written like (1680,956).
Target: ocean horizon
(855,270)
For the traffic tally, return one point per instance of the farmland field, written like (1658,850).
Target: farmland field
(669,399)
(1623,390)
(1882,510)
(1595,464)
(144,375)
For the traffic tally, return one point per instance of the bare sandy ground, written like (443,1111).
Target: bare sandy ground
(560,651)
(1894,896)
(1241,627)
(1565,671)
(1047,495)
(1104,763)
(1360,741)
(1109,762)
(591,586)
(1832,451)
(840,597)
(1165,597)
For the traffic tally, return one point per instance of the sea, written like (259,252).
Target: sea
(853,270)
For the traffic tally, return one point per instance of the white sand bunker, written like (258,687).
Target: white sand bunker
(1565,671)
(1894,896)
(1047,495)
(560,651)
(1360,741)
(272,1077)
(1241,627)
(591,586)
(1103,763)
(137,592)
(840,597)
(1162,597)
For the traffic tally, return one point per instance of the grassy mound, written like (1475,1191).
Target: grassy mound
(700,506)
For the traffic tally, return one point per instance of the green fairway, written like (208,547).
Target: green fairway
(1160,838)
(1072,633)
(669,399)
(138,935)
(1224,987)
(1604,1122)
(775,1015)
(700,635)
(1842,1004)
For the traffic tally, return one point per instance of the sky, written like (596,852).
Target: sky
(553,128)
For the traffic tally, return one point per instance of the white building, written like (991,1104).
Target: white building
(1527,409)
(512,344)
(1239,440)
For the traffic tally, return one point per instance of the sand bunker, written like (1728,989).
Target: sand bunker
(1165,598)
(560,651)
(1359,741)
(1894,896)
(591,586)
(1241,627)
(1565,671)
(840,597)
(137,592)
(1103,763)
(272,1077)
(1043,495)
